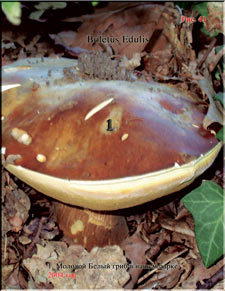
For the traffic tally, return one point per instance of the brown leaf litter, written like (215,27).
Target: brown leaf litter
(119,22)
(55,264)
(161,251)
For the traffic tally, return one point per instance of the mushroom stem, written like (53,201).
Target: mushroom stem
(91,228)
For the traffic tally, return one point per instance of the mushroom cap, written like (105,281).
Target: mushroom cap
(103,145)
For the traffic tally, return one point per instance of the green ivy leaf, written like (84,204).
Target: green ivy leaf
(214,33)
(206,205)
(220,134)
(201,8)
(12,11)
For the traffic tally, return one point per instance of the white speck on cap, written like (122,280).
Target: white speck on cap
(41,158)
(21,136)
(3,150)
(98,108)
(176,165)
(124,136)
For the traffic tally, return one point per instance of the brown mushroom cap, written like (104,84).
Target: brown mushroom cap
(57,123)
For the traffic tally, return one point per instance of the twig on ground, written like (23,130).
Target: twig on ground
(209,283)
(35,238)
(206,53)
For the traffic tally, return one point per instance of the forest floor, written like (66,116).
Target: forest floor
(161,232)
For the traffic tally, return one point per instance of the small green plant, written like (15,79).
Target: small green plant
(43,6)
(220,134)
(220,97)
(12,11)
(202,9)
(206,204)
(94,3)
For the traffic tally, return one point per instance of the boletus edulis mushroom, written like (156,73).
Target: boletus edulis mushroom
(99,146)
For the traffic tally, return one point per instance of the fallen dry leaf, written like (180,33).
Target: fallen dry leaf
(166,277)
(179,37)
(127,28)
(179,226)
(158,241)
(48,231)
(200,272)
(12,281)
(15,207)
(170,253)
(113,274)
(6,226)
(186,266)
(168,261)
(213,58)
(132,63)
(213,113)
(74,268)
(6,271)
(160,63)
(165,61)
(49,255)
(215,19)
(187,240)
(135,249)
